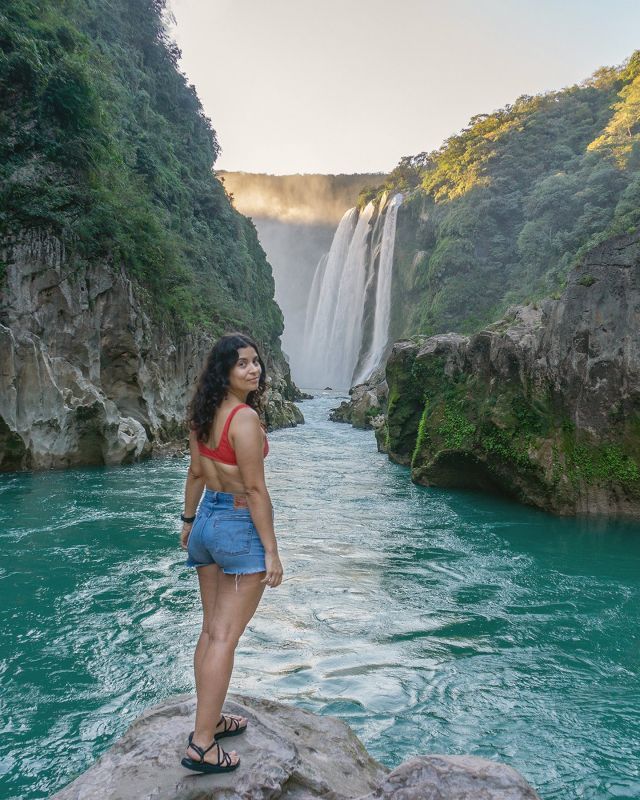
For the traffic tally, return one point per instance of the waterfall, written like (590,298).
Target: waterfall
(321,304)
(314,296)
(382,314)
(343,345)
(358,266)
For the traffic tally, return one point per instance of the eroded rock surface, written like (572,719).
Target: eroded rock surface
(366,403)
(453,778)
(286,752)
(86,376)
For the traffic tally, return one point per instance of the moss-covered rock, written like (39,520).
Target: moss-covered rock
(543,405)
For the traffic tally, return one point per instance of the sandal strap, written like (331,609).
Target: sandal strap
(198,750)
(214,743)
(224,761)
(229,722)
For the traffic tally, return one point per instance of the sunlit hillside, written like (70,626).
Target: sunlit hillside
(503,209)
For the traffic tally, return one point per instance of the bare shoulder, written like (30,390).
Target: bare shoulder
(246,412)
(245,428)
(245,419)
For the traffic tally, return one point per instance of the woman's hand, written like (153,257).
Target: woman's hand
(184,534)
(273,577)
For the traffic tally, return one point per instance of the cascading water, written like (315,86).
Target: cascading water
(314,296)
(358,268)
(382,313)
(321,308)
(345,336)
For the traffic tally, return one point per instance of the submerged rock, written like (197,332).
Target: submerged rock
(543,405)
(286,752)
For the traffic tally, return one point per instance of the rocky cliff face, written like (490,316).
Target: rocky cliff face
(86,375)
(543,405)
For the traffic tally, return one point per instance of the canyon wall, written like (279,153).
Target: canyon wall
(121,256)
(543,405)
(87,376)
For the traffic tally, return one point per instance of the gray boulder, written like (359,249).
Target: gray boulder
(453,778)
(286,753)
(366,404)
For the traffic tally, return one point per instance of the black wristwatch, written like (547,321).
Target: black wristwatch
(187,519)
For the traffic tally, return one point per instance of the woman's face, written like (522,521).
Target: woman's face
(244,376)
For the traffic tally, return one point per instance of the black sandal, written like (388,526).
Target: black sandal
(230,731)
(224,764)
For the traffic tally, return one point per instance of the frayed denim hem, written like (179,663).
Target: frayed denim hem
(242,572)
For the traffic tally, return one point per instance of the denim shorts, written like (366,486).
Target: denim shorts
(223,533)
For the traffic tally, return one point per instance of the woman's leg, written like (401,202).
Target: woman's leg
(226,618)
(208,579)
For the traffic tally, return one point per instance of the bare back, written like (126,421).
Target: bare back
(217,475)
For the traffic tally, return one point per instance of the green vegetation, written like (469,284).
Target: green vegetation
(598,463)
(511,430)
(104,145)
(372,411)
(501,212)
(460,413)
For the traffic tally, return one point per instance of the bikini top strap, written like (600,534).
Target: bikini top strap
(230,416)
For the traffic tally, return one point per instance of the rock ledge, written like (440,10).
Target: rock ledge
(287,752)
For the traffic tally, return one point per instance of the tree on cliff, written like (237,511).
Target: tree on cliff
(503,209)
(105,145)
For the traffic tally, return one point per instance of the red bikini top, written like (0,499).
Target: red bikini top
(224,452)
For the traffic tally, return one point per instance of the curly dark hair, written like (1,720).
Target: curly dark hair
(214,382)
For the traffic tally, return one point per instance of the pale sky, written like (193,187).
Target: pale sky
(336,86)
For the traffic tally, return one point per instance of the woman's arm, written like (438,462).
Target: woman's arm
(193,488)
(248,443)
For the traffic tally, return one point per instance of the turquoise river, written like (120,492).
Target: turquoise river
(431,621)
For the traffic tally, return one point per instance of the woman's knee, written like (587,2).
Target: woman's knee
(221,636)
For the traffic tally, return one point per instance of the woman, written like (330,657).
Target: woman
(230,536)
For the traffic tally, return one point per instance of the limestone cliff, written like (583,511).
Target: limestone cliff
(86,375)
(543,405)
(501,212)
